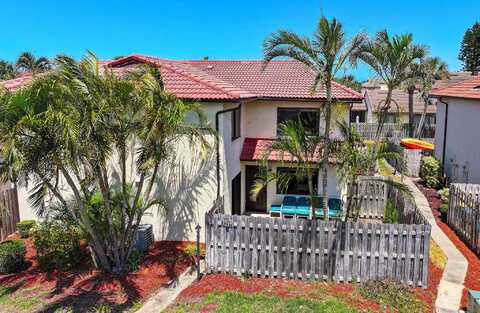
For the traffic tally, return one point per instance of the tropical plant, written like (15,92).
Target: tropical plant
(325,54)
(74,129)
(430,171)
(7,70)
(470,49)
(27,62)
(299,149)
(390,58)
(357,160)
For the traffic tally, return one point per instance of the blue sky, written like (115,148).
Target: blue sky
(217,28)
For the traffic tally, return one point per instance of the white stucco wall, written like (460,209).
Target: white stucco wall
(462,153)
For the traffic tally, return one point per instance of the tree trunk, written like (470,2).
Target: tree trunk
(418,132)
(324,163)
(310,190)
(411,91)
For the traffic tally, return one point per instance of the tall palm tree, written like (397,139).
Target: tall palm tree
(325,53)
(358,159)
(427,72)
(390,58)
(298,148)
(27,62)
(7,70)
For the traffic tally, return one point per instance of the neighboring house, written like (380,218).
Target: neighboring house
(458,128)
(245,103)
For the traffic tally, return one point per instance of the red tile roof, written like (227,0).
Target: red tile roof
(467,89)
(14,84)
(256,149)
(228,79)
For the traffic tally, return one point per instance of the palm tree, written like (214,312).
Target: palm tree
(427,72)
(298,148)
(27,62)
(358,159)
(73,125)
(325,54)
(7,70)
(390,58)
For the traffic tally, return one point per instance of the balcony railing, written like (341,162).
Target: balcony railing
(392,131)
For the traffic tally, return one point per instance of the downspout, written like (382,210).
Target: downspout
(217,118)
(445,125)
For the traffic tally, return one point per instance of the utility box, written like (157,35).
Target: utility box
(143,237)
(473,301)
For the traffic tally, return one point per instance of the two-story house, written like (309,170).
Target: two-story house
(245,102)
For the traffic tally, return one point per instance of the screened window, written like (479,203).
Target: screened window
(310,118)
(296,185)
(236,121)
(357,114)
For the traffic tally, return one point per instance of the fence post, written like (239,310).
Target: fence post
(197,259)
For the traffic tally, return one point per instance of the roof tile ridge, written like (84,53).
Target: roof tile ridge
(347,89)
(453,85)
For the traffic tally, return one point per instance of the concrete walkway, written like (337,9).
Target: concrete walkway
(160,301)
(451,285)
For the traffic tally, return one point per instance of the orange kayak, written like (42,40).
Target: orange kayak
(411,143)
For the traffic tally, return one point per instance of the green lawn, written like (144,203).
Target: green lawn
(235,302)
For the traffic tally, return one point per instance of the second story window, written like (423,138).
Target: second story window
(310,118)
(236,121)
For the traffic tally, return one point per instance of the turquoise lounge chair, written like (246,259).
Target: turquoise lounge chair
(276,209)
(289,206)
(303,206)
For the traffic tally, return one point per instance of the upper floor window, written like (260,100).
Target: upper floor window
(296,185)
(310,118)
(357,116)
(236,121)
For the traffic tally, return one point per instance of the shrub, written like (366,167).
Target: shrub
(444,194)
(24,227)
(134,261)
(430,171)
(12,254)
(391,213)
(190,250)
(57,244)
(393,295)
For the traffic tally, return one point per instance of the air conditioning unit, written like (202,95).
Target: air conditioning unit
(143,237)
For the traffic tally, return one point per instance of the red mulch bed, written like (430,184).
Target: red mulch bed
(472,280)
(86,286)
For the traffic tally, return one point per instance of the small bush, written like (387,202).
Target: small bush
(444,194)
(391,213)
(24,227)
(430,172)
(191,251)
(57,244)
(393,295)
(12,254)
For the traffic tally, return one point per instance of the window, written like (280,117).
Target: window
(429,119)
(296,185)
(236,194)
(310,118)
(391,118)
(357,114)
(236,120)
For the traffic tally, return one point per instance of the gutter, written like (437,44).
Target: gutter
(217,118)
(445,125)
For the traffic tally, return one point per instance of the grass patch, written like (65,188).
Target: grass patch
(22,299)
(393,296)
(438,258)
(235,302)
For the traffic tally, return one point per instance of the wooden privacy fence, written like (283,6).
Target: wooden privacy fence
(370,197)
(464,213)
(315,249)
(9,214)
